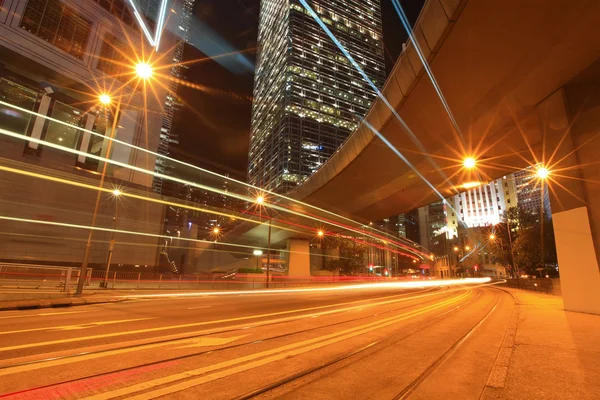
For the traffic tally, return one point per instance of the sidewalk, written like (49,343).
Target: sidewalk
(555,353)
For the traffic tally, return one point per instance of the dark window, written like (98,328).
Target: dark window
(57,24)
(112,59)
(11,118)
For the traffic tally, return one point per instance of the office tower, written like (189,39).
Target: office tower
(532,195)
(485,204)
(307,96)
(56,60)
(168,137)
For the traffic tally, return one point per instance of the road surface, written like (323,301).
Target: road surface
(380,343)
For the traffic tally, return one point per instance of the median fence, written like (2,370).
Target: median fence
(65,279)
(544,285)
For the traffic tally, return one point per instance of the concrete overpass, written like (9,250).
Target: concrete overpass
(522,80)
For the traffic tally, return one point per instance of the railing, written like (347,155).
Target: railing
(544,285)
(65,279)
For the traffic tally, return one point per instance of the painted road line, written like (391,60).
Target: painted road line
(75,327)
(182,343)
(42,314)
(204,323)
(262,358)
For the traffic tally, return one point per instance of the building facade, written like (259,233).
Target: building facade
(168,137)
(308,98)
(57,57)
(485,204)
(532,195)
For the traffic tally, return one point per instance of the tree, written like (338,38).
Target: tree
(351,257)
(535,248)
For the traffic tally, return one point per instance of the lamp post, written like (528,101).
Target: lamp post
(111,245)
(143,71)
(260,200)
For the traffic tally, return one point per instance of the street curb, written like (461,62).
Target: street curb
(61,303)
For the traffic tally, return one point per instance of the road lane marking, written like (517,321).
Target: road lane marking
(196,324)
(265,357)
(41,315)
(184,343)
(75,327)
(196,308)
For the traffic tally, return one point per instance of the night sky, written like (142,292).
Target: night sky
(214,124)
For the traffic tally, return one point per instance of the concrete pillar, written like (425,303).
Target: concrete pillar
(573,215)
(38,125)
(85,141)
(298,257)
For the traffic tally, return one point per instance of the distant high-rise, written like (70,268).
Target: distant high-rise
(532,195)
(167,136)
(307,96)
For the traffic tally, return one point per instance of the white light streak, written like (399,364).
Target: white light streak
(379,285)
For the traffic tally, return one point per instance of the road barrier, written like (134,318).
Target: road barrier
(65,279)
(544,285)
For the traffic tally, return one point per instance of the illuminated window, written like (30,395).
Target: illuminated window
(61,134)
(10,118)
(112,59)
(57,24)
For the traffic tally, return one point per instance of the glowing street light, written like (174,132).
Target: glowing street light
(260,199)
(104,99)
(216,230)
(143,70)
(117,192)
(492,236)
(467,248)
(320,233)
(455,248)
(469,163)
(542,172)
(257,252)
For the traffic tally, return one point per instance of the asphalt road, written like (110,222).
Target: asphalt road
(380,343)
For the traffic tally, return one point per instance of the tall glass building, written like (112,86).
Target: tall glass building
(307,96)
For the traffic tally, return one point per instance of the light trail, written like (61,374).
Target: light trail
(361,286)
(436,86)
(208,188)
(171,178)
(154,41)
(412,136)
(164,202)
(138,197)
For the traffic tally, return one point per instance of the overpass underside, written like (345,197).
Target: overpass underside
(521,80)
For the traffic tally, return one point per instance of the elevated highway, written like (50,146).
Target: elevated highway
(522,81)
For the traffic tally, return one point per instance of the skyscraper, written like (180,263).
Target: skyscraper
(532,195)
(167,136)
(307,96)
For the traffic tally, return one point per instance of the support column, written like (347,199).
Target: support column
(85,141)
(573,218)
(38,125)
(298,257)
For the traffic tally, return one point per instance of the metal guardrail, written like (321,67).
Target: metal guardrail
(549,286)
(65,279)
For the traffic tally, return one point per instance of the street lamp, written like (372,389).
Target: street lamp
(260,199)
(216,230)
(469,163)
(542,172)
(467,248)
(320,233)
(455,248)
(492,237)
(143,70)
(104,99)
(257,253)
(116,193)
